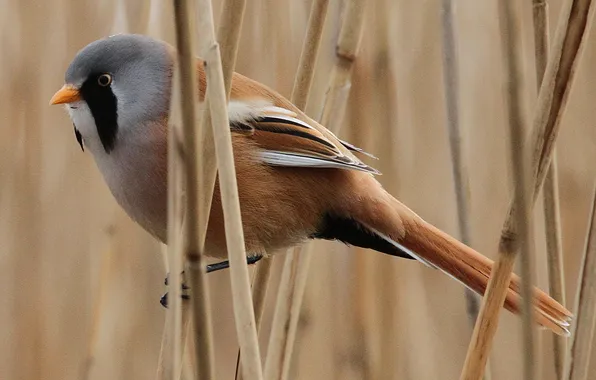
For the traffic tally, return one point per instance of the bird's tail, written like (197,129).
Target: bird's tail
(395,223)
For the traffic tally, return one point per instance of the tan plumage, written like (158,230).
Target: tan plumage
(350,192)
(296,180)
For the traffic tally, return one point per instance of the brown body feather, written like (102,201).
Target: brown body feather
(304,195)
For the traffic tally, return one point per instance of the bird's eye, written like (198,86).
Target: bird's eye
(104,80)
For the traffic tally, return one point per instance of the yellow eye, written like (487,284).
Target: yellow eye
(104,80)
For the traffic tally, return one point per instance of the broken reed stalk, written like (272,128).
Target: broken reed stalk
(184,27)
(583,335)
(285,323)
(550,193)
(460,170)
(241,294)
(567,48)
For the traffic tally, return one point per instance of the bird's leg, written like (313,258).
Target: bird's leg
(226,264)
(210,268)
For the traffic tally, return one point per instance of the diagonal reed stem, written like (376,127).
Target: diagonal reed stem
(241,294)
(574,24)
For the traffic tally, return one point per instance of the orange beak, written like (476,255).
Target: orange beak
(67,94)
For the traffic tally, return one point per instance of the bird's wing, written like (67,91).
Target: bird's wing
(288,137)
(287,140)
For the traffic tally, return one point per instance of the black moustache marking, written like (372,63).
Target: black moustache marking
(78,136)
(104,108)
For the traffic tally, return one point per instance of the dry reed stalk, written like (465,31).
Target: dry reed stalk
(241,294)
(574,23)
(170,366)
(281,314)
(511,25)
(228,33)
(554,249)
(376,319)
(308,56)
(500,277)
(583,335)
(184,26)
(460,169)
(550,193)
(283,331)
(299,97)
(259,294)
(178,315)
(229,29)
(98,310)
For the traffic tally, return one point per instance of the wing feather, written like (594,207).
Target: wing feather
(287,140)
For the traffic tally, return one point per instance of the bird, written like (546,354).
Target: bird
(297,181)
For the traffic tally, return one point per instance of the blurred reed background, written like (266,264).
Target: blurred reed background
(81,283)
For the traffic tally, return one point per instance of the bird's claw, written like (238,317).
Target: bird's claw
(210,268)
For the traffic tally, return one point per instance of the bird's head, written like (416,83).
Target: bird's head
(116,86)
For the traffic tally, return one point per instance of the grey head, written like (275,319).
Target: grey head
(122,83)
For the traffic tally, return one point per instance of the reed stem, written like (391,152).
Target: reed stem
(574,23)
(184,26)
(550,193)
(583,335)
(332,118)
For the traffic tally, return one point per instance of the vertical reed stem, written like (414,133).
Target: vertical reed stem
(583,335)
(550,192)
(286,321)
(184,26)
(511,25)
(282,328)
(460,170)
(500,277)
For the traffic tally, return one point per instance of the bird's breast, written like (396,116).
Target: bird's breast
(137,178)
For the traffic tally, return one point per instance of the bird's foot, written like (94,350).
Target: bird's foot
(210,268)
(184,291)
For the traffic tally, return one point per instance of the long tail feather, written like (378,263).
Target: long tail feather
(473,270)
(396,223)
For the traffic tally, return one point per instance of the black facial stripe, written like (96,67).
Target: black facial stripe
(104,107)
(78,136)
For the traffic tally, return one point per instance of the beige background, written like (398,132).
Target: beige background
(366,315)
